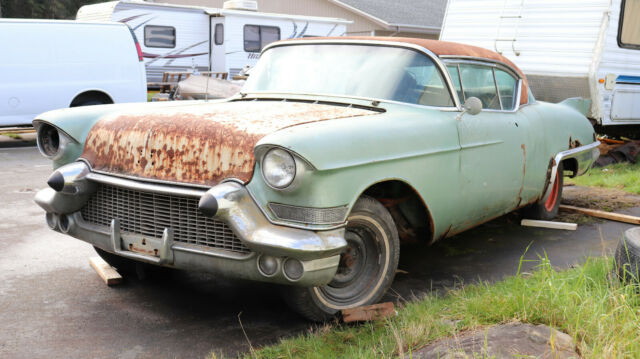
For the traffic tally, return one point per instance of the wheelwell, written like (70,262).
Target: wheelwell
(410,213)
(87,96)
(570,164)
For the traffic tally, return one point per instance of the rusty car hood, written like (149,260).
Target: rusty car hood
(198,144)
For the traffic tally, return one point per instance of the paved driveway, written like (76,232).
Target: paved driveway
(53,305)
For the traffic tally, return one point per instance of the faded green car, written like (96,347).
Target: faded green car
(335,150)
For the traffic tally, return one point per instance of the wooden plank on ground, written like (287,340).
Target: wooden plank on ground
(602,214)
(368,312)
(105,271)
(549,224)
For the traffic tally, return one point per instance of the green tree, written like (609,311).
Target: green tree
(42,9)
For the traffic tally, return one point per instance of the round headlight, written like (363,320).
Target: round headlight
(278,168)
(48,140)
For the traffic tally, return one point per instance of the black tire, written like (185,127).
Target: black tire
(547,207)
(121,264)
(366,269)
(628,257)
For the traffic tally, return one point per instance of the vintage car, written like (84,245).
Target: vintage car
(334,151)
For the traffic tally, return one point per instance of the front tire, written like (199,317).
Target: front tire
(366,270)
(547,207)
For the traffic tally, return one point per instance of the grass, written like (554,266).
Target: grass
(602,316)
(150,94)
(623,176)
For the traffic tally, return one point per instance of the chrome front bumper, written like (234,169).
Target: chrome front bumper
(315,254)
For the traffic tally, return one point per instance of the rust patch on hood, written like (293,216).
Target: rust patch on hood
(197,144)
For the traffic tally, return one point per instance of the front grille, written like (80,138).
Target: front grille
(148,214)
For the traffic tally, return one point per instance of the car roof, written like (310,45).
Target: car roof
(445,49)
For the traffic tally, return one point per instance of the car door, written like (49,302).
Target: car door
(492,143)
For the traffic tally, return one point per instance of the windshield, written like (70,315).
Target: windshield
(376,72)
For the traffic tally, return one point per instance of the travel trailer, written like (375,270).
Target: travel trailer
(184,38)
(51,64)
(588,49)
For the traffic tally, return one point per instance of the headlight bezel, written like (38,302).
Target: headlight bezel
(302,167)
(275,151)
(63,140)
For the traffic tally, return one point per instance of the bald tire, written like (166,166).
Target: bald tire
(372,239)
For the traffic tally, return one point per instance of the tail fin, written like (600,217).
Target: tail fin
(579,104)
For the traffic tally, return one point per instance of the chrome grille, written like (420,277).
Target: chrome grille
(148,214)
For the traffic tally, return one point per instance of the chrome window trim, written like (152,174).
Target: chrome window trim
(457,60)
(436,60)
(368,99)
(495,84)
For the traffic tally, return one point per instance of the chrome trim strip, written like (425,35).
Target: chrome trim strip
(571,153)
(209,251)
(144,187)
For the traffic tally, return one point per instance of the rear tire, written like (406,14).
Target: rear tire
(366,270)
(547,207)
(628,257)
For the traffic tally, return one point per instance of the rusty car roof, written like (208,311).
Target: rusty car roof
(441,48)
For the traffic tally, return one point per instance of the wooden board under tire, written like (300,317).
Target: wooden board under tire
(368,312)
(105,271)
(549,224)
(602,214)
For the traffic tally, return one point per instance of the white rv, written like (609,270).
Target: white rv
(51,64)
(181,38)
(567,48)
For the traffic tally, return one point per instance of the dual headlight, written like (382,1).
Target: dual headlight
(51,141)
(279,168)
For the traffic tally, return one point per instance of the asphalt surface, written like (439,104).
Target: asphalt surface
(53,305)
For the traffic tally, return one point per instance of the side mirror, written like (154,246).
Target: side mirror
(472,105)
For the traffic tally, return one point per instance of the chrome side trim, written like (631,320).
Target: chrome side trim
(585,155)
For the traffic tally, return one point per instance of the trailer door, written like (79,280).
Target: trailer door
(218,35)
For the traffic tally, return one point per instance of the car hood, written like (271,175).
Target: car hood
(198,144)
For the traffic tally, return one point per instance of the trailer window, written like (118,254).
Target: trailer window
(629,26)
(256,37)
(218,36)
(159,36)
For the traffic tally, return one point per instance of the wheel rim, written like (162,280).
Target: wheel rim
(553,196)
(361,268)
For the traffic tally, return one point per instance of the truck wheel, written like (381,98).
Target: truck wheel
(547,207)
(366,270)
(628,257)
(123,265)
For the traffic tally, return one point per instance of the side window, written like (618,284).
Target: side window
(478,81)
(218,35)
(455,79)
(159,36)
(506,89)
(423,84)
(256,37)
(629,26)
